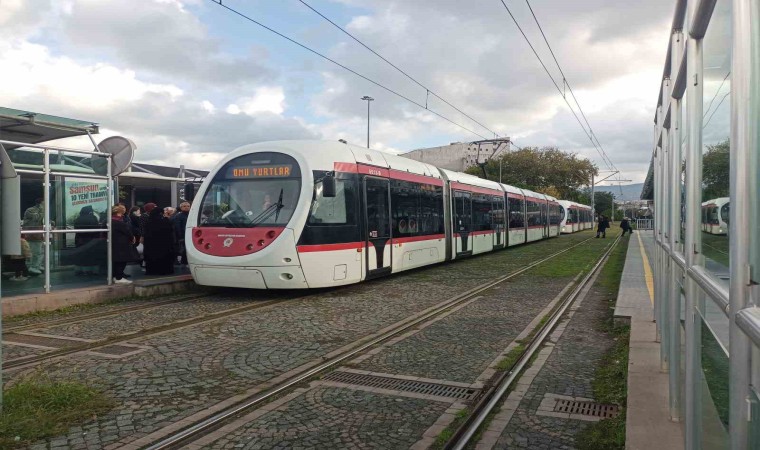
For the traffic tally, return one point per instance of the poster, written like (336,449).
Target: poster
(83,192)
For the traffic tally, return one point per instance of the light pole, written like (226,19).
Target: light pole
(368,99)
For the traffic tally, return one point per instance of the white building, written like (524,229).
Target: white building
(459,156)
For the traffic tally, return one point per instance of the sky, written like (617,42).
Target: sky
(189,80)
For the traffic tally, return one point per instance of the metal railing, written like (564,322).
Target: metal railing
(644,224)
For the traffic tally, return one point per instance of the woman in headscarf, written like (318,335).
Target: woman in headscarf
(122,239)
(86,243)
(158,239)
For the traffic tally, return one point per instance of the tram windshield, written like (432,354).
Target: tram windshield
(260,189)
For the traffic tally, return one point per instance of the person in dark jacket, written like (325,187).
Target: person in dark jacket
(122,251)
(602,226)
(86,243)
(180,222)
(159,248)
(147,208)
(626,226)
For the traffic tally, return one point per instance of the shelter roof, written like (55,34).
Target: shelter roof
(32,128)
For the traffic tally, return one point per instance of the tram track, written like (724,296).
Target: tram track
(24,362)
(172,437)
(491,397)
(99,315)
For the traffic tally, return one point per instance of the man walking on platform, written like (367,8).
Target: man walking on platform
(626,226)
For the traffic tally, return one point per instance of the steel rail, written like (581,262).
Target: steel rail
(493,396)
(26,361)
(99,315)
(211,423)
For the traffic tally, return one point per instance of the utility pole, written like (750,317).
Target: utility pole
(368,99)
(593,209)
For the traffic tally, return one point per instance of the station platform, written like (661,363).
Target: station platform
(648,422)
(69,290)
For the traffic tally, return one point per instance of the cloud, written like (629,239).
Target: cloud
(161,37)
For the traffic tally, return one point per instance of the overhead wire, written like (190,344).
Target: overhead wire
(427,89)
(327,58)
(589,133)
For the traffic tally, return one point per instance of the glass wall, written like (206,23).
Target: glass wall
(718,222)
(64,228)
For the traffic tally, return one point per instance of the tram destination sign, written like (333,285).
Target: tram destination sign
(270,171)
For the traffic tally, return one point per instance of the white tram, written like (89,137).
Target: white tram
(574,217)
(715,215)
(309,214)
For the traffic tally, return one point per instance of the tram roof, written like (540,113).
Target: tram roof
(32,128)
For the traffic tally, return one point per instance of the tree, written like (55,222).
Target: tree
(716,171)
(548,170)
(602,201)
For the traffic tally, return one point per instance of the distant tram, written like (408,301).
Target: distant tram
(575,217)
(310,214)
(715,215)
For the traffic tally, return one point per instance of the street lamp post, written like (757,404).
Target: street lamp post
(368,99)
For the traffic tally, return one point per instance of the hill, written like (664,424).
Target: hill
(630,191)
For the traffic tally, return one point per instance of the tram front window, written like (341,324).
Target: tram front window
(259,189)
(249,203)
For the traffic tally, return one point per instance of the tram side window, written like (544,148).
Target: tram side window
(405,204)
(554,215)
(516,219)
(338,210)
(432,210)
(481,212)
(534,213)
(417,209)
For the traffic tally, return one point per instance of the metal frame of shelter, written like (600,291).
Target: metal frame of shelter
(684,286)
(28,130)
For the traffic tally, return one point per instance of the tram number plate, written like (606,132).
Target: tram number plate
(373,234)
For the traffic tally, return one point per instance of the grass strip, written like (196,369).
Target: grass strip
(610,382)
(39,408)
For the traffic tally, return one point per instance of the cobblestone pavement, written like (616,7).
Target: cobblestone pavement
(18,351)
(331,417)
(81,310)
(568,371)
(460,346)
(189,369)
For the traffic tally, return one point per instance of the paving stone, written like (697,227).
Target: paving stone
(185,371)
(568,371)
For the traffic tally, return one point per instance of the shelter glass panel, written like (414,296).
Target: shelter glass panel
(713,389)
(716,129)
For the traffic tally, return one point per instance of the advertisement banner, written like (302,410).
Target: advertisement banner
(83,192)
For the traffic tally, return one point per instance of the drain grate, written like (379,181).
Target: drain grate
(40,341)
(587,408)
(395,384)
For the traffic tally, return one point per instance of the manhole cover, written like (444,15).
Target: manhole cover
(419,387)
(586,408)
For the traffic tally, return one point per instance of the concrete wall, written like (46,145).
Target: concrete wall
(458,156)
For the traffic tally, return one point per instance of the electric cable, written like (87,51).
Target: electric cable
(250,19)
(429,91)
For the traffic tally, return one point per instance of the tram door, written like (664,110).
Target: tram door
(498,218)
(463,222)
(378,226)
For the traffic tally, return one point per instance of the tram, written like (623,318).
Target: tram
(715,215)
(311,214)
(574,217)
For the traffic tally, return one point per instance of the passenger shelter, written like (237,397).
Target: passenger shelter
(61,232)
